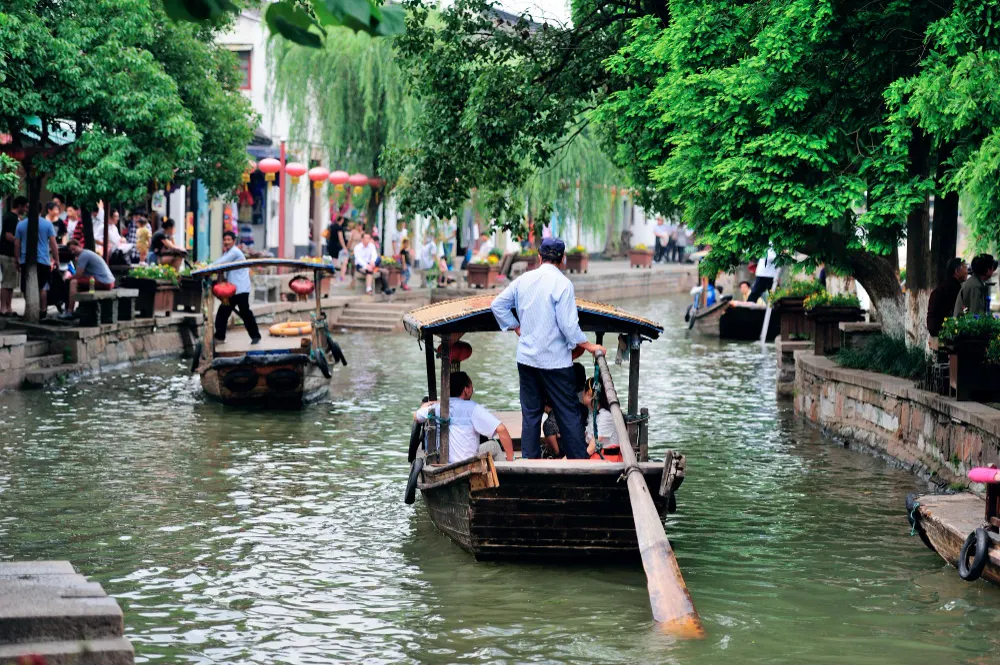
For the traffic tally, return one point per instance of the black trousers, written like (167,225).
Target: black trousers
(761,285)
(559,385)
(658,251)
(241,303)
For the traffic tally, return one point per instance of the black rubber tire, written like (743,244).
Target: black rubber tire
(411,483)
(915,525)
(241,380)
(981,542)
(416,438)
(687,314)
(196,360)
(335,351)
(322,363)
(283,380)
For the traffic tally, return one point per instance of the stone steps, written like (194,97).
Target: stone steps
(41,362)
(39,378)
(34,348)
(374,316)
(367,327)
(48,610)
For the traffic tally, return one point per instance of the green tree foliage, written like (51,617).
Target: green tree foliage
(108,98)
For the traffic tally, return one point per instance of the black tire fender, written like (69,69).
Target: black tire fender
(196,360)
(322,363)
(335,351)
(979,540)
(411,483)
(416,438)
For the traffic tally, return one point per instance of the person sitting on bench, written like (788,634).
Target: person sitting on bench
(88,265)
(366,261)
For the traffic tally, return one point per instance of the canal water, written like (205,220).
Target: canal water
(240,536)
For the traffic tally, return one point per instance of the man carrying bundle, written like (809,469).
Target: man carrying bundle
(548,328)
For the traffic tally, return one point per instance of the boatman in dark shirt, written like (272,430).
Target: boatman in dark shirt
(548,327)
(942,301)
(8,264)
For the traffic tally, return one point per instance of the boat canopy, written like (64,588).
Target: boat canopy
(473,314)
(263,263)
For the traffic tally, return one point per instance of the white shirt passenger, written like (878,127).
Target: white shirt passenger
(467,421)
(766,267)
(365,257)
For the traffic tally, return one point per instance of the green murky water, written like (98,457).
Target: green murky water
(248,537)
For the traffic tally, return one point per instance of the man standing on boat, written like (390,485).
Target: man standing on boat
(240,278)
(548,326)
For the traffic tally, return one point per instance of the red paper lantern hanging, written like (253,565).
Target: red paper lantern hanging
(458,352)
(296,170)
(339,179)
(376,182)
(318,175)
(224,291)
(358,180)
(270,167)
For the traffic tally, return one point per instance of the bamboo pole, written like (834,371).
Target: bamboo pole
(445,397)
(669,597)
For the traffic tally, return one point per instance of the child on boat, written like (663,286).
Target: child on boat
(602,443)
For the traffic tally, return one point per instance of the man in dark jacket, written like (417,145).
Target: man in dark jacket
(974,296)
(942,301)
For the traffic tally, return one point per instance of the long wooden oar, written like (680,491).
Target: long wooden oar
(672,606)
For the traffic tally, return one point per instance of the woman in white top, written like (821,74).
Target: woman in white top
(607,433)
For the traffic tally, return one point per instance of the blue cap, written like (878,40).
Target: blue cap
(552,247)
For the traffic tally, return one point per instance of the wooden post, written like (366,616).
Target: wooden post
(432,391)
(207,305)
(669,597)
(600,338)
(445,396)
(644,435)
(633,374)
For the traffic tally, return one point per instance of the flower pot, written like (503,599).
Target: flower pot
(531,261)
(970,377)
(154,295)
(188,296)
(393,277)
(577,262)
(794,324)
(826,326)
(482,275)
(640,258)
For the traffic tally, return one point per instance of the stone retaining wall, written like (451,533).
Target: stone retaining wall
(935,437)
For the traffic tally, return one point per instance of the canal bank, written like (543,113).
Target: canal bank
(35,356)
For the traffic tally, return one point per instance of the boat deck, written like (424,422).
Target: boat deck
(947,519)
(238,342)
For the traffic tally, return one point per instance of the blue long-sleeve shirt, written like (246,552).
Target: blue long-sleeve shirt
(545,302)
(240,277)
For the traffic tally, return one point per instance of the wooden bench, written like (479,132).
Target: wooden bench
(106,306)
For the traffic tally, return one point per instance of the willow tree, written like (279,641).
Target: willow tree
(351,94)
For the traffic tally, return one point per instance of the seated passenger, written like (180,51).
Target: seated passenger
(606,436)
(467,422)
(550,434)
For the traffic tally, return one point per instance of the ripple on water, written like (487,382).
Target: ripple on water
(239,536)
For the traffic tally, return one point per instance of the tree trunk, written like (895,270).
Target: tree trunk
(919,262)
(944,239)
(609,231)
(878,275)
(88,226)
(31,302)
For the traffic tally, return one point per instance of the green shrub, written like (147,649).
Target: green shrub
(969,325)
(797,289)
(827,299)
(886,355)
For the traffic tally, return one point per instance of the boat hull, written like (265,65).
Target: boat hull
(543,509)
(736,322)
(278,385)
(948,519)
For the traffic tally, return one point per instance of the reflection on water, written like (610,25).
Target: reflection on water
(247,537)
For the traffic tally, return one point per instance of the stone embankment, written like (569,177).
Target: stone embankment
(49,611)
(936,437)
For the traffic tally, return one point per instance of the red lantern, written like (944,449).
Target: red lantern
(296,170)
(301,285)
(339,179)
(224,291)
(318,175)
(459,351)
(358,180)
(269,167)
(376,182)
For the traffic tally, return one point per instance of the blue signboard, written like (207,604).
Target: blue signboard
(201,230)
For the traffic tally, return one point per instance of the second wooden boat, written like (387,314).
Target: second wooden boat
(728,319)
(945,522)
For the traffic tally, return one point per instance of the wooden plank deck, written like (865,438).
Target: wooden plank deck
(948,519)
(238,342)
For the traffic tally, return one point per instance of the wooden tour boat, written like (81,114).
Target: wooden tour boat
(551,509)
(963,528)
(281,370)
(728,319)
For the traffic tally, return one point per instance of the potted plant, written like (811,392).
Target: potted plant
(157,285)
(972,342)
(577,259)
(640,256)
(788,303)
(393,272)
(188,297)
(530,256)
(484,273)
(827,311)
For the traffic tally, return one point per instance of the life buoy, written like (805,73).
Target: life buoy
(291,329)
(981,541)
(411,484)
